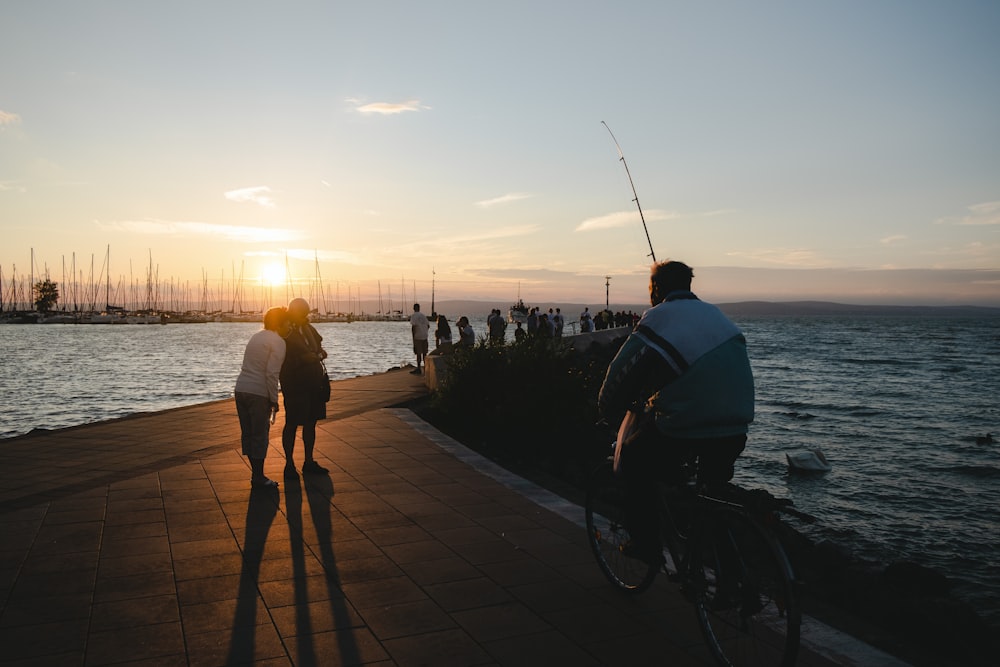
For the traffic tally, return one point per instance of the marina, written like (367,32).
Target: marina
(36,297)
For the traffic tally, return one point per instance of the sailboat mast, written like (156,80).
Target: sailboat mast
(107,284)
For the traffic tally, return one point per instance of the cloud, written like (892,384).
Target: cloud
(623,219)
(460,245)
(229,232)
(324,255)
(260,194)
(889,240)
(387,108)
(987,213)
(498,233)
(796,257)
(12,186)
(8,118)
(503,199)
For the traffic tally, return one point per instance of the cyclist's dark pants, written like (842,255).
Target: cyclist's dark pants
(650,457)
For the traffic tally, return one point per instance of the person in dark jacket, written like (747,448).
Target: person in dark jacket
(303,377)
(685,371)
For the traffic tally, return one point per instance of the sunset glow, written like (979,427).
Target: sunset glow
(835,151)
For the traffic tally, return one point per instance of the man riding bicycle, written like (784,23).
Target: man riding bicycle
(685,370)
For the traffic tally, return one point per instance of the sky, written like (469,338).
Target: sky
(837,150)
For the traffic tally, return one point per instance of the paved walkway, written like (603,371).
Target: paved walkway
(138,541)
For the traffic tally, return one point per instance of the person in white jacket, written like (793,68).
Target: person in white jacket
(257,391)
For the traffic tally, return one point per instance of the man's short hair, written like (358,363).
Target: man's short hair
(666,277)
(416,307)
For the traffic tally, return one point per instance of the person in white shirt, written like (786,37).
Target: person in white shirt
(560,322)
(419,326)
(257,391)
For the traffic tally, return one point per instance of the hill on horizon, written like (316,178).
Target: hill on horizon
(454,309)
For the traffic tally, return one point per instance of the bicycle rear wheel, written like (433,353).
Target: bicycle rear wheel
(743,589)
(605,509)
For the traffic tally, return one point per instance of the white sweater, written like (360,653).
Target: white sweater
(261,365)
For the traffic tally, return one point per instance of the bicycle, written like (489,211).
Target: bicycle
(722,552)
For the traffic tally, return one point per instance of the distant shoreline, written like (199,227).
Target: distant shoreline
(824,308)
(747,309)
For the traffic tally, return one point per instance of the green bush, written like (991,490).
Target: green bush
(531,403)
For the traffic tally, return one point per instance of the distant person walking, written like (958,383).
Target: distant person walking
(419,326)
(257,391)
(304,386)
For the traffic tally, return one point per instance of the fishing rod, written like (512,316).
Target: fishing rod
(621,155)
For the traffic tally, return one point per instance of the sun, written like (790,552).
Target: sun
(273,275)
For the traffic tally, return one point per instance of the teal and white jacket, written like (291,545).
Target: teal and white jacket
(687,362)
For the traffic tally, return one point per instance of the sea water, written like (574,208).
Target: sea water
(895,403)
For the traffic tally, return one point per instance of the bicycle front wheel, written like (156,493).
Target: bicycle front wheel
(744,592)
(605,508)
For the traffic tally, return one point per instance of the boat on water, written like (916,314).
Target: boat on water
(518,312)
(807,461)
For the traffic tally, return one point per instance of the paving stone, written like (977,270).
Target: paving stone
(35,610)
(314,617)
(259,644)
(136,643)
(120,566)
(134,611)
(364,569)
(246,610)
(440,570)
(208,566)
(213,589)
(381,592)
(141,546)
(501,621)
(467,594)
(447,647)
(406,619)
(544,649)
(354,646)
(44,639)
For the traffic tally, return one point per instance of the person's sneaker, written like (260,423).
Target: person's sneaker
(313,468)
(291,472)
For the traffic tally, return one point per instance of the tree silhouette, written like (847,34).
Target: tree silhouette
(46,295)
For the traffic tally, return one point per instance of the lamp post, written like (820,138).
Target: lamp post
(607,292)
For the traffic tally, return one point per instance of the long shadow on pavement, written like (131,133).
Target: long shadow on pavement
(310,650)
(261,510)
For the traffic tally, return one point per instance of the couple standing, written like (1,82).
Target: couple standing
(289,350)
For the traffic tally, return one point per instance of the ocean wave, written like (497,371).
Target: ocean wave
(879,362)
(981,471)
